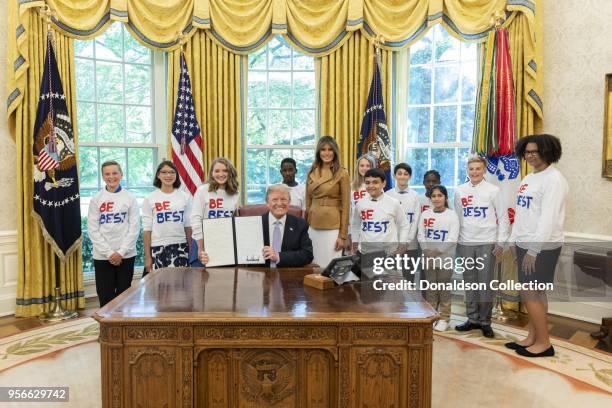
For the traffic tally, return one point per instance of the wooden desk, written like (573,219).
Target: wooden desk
(257,337)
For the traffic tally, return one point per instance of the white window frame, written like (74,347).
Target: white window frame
(158,122)
(460,104)
(290,147)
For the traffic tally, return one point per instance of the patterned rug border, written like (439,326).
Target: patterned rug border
(596,373)
(35,343)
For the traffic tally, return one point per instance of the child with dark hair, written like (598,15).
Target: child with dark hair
(288,170)
(537,235)
(438,234)
(379,222)
(165,221)
(430,178)
(411,207)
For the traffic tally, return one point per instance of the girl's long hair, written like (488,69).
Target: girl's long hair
(231,186)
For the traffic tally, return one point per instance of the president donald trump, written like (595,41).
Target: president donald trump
(286,239)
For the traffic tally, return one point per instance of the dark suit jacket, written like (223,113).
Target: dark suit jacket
(296,248)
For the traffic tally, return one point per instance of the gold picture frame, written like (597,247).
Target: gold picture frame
(606,162)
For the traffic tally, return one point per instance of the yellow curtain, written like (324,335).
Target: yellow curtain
(344,79)
(316,28)
(36,275)
(216,76)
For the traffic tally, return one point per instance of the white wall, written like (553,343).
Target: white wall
(577,56)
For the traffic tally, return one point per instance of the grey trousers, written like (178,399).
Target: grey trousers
(478,303)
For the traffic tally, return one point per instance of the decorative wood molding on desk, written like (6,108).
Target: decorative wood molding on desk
(257,337)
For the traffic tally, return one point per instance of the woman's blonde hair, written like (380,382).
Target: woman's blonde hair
(231,186)
(358,179)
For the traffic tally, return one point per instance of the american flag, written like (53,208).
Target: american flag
(186,136)
(46,161)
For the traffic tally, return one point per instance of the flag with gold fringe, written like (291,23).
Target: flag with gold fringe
(56,199)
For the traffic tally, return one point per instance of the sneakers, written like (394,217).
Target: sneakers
(441,325)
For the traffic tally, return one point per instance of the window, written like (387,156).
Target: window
(117,116)
(441,100)
(281,115)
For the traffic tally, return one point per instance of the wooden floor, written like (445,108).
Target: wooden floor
(574,331)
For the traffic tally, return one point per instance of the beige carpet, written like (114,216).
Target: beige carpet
(468,370)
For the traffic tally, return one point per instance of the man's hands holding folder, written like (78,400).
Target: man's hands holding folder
(270,254)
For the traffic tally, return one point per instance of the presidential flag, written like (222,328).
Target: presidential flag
(374,136)
(186,136)
(56,186)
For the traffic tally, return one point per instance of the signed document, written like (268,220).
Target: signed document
(249,240)
(233,241)
(219,241)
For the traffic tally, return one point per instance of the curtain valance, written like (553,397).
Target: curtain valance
(242,26)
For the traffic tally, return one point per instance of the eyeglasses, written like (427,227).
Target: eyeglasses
(167,173)
(531,153)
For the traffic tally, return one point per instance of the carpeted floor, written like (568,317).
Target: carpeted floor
(468,370)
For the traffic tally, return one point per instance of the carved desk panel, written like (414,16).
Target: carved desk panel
(256,337)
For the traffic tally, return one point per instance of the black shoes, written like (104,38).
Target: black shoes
(467,326)
(487,331)
(549,352)
(514,346)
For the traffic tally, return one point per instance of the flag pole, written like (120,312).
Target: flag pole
(57,312)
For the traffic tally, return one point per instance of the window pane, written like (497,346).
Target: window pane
(83,48)
(443,160)
(303,126)
(447,84)
(445,124)
(418,160)
(304,159)
(420,86)
(85,79)
(256,193)
(279,54)
(256,166)
(86,122)
(276,156)
(109,46)
(469,51)
(140,167)
(110,123)
(138,124)
(257,60)
(420,52)
(135,52)
(280,127)
(418,124)
(89,166)
(447,47)
(109,81)
(256,126)
(462,165)
(302,62)
(304,90)
(138,84)
(468,81)
(280,90)
(467,123)
(257,90)
(117,154)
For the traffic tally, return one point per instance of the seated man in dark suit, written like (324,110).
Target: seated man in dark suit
(286,237)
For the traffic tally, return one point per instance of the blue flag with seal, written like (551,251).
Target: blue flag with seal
(374,136)
(56,185)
